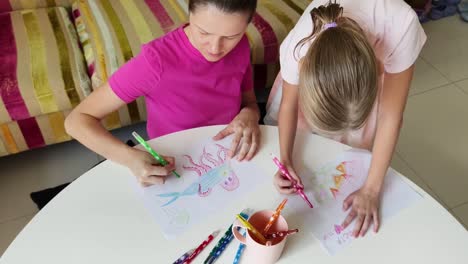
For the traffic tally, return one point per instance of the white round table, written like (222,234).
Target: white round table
(99,218)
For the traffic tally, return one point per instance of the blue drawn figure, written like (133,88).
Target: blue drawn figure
(218,172)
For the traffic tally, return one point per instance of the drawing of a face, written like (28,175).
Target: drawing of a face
(231,181)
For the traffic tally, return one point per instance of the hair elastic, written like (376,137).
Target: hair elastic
(330,25)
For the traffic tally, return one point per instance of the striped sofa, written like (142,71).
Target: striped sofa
(53,53)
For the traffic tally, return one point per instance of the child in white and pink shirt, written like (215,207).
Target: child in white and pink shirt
(346,69)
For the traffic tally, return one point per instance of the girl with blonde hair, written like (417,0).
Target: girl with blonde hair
(346,69)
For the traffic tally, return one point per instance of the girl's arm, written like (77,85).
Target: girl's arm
(389,122)
(365,202)
(84,124)
(287,125)
(287,120)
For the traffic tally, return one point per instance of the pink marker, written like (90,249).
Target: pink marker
(286,174)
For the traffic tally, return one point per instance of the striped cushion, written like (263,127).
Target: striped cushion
(42,69)
(112,31)
(43,130)
(42,74)
(33,132)
(11,5)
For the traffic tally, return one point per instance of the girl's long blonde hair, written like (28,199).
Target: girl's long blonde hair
(338,75)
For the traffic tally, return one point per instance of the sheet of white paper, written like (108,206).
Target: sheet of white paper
(327,188)
(208,182)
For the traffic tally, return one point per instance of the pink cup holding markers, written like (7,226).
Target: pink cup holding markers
(256,252)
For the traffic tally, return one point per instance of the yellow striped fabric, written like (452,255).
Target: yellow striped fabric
(43,77)
(50,128)
(43,90)
(13,5)
(12,138)
(112,31)
(50,69)
(51,77)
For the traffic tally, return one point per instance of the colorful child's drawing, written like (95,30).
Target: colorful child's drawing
(218,172)
(331,184)
(328,180)
(338,229)
(209,182)
(338,236)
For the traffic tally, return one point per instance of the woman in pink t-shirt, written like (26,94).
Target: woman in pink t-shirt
(346,69)
(196,75)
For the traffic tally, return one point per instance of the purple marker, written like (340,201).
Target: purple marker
(184,257)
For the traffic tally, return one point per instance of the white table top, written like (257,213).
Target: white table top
(99,218)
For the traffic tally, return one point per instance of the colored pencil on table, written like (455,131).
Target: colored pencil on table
(184,257)
(222,243)
(201,247)
(218,250)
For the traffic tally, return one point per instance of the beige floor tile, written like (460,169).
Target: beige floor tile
(463,84)
(64,163)
(39,169)
(433,141)
(16,183)
(461,212)
(9,230)
(426,77)
(401,166)
(446,47)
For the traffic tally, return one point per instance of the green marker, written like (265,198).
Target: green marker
(152,152)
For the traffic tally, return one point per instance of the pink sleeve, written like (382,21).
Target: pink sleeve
(406,39)
(138,76)
(247,82)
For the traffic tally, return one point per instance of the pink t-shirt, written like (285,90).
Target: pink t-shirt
(393,30)
(182,89)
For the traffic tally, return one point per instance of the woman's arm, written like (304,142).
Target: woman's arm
(365,202)
(84,124)
(244,127)
(249,103)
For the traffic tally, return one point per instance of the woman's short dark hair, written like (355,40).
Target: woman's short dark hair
(227,6)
